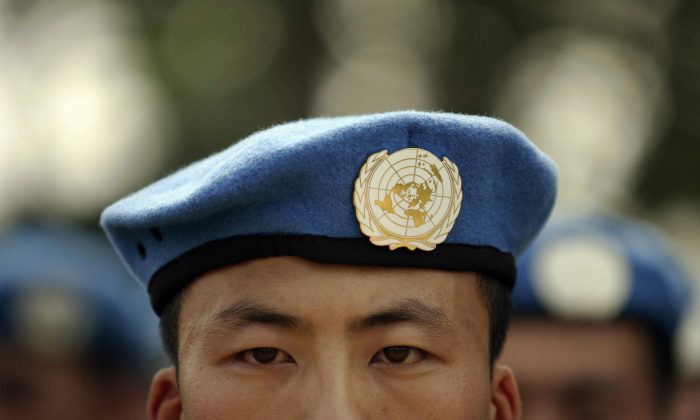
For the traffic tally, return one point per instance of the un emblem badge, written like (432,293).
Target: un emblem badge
(407,199)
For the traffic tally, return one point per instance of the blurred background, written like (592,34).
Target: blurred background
(101,97)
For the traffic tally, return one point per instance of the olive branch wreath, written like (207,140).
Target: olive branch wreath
(376,235)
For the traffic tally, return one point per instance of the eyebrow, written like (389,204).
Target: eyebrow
(248,311)
(412,311)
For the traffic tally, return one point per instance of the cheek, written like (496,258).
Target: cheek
(214,393)
(457,393)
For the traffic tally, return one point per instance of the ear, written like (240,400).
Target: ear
(505,396)
(164,397)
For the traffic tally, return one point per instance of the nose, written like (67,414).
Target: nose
(335,397)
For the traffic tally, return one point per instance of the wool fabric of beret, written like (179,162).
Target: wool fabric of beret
(288,190)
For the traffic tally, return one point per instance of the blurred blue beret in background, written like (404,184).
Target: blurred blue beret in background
(288,190)
(598,267)
(64,293)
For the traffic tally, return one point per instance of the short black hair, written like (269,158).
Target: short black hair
(663,364)
(494,294)
(169,321)
(496,298)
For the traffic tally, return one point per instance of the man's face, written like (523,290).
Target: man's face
(685,404)
(582,371)
(34,386)
(286,338)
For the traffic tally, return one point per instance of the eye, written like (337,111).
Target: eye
(399,355)
(264,356)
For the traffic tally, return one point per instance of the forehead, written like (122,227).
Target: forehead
(322,291)
(543,351)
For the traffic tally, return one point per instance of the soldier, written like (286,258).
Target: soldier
(74,343)
(597,303)
(351,267)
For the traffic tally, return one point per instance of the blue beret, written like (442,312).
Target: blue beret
(288,190)
(597,267)
(65,293)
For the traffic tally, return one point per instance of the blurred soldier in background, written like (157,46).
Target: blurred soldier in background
(73,344)
(597,304)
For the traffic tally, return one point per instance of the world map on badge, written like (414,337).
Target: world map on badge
(409,198)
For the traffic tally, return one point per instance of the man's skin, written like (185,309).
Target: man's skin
(34,387)
(685,404)
(331,326)
(582,371)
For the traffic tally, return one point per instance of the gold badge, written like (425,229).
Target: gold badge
(407,199)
